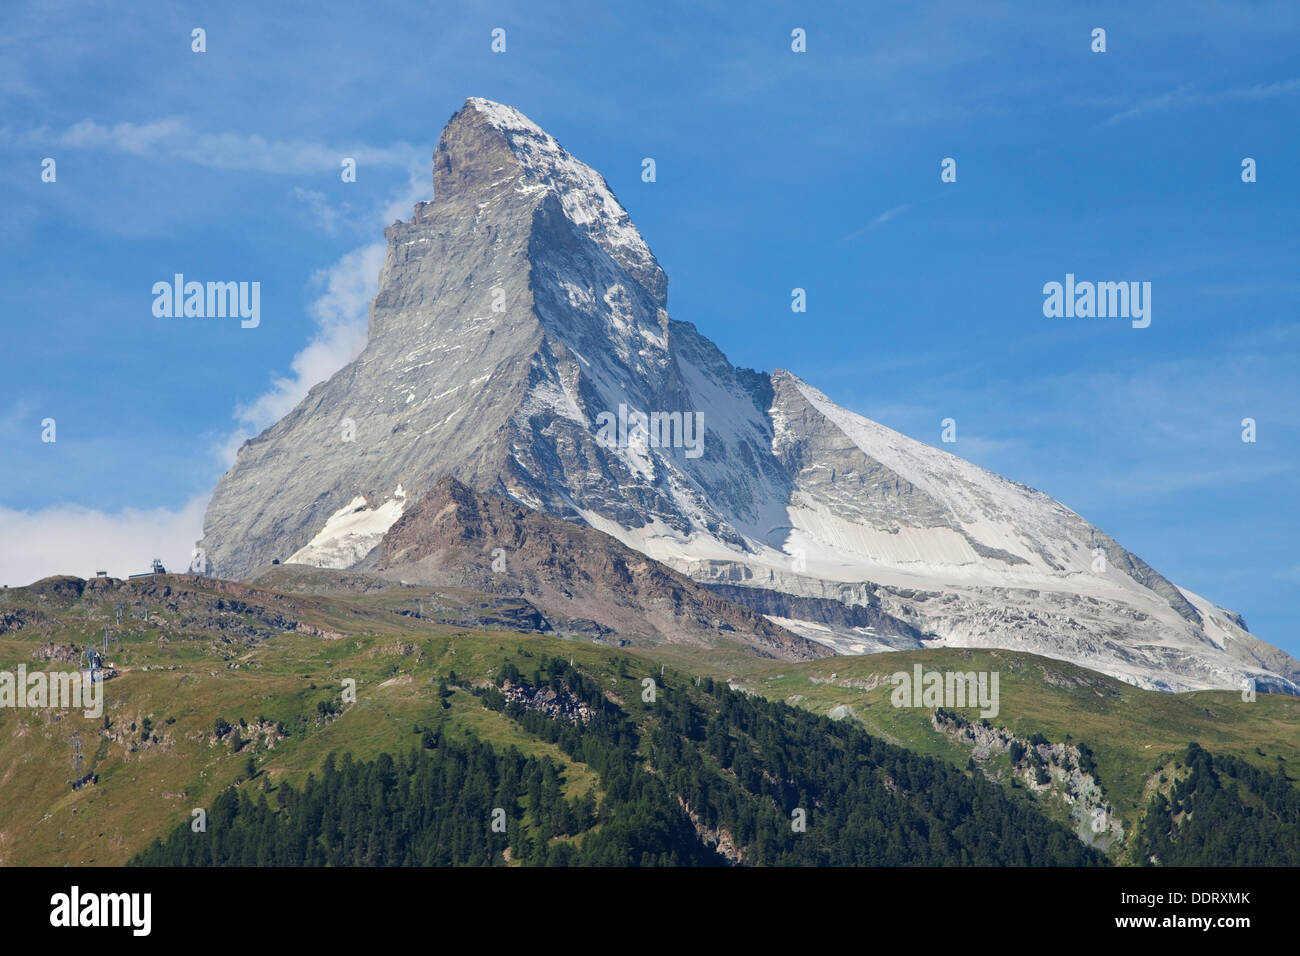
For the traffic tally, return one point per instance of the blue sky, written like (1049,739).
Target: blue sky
(775,170)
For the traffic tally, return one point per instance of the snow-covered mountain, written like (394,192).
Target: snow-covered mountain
(520,342)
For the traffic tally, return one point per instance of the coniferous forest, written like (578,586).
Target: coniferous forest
(1224,812)
(704,769)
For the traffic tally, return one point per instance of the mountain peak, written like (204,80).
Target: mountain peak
(502,116)
(487,147)
(519,342)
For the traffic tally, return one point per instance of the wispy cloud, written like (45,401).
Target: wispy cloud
(880,220)
(320,210)
(975,448)
(20,415)
(176,138)
(1186,98)
(1142,483)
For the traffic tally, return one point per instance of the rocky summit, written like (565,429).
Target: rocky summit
(520,343)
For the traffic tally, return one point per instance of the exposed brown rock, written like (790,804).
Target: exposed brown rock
(572,572)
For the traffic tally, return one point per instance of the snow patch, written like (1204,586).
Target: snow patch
(351,533)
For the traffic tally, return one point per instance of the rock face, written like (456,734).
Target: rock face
(520,342)
(512,311)
(586,582)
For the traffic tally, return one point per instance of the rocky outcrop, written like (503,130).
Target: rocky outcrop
(556,705)
(866,617)
(456,537)
(1058,771)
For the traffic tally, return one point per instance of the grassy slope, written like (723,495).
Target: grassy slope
(194,676)
(1132,732)
(145,789)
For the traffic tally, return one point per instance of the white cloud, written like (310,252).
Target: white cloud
(880,220)
(319,209)
(418,187)
(174,138)
(341,314)
(71,539)
(1187,98)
